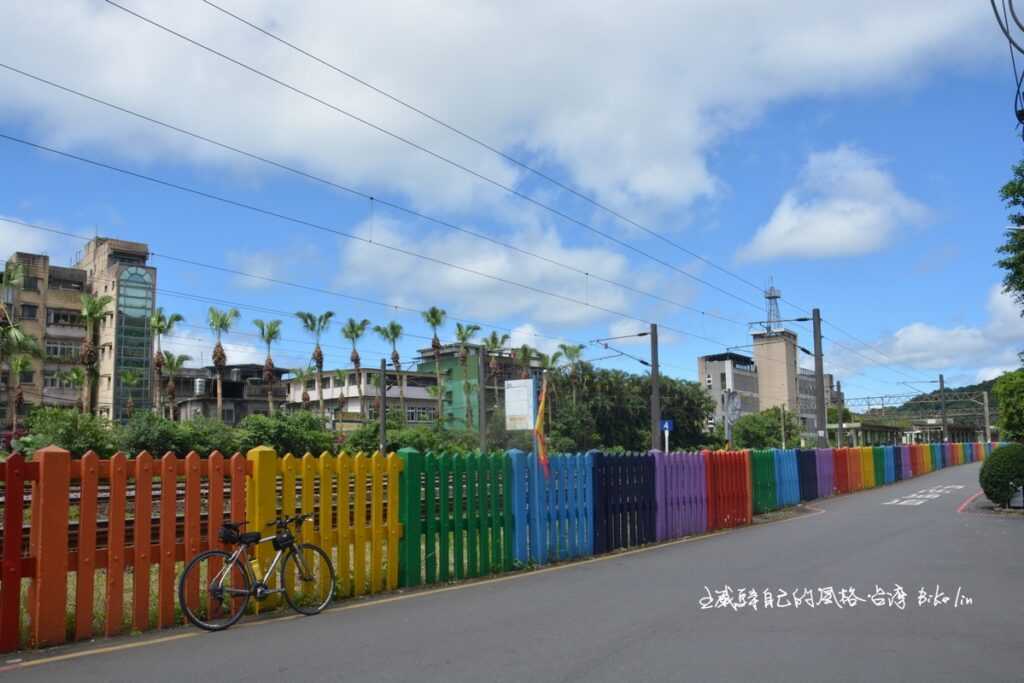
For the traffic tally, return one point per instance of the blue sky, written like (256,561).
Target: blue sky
(852,154)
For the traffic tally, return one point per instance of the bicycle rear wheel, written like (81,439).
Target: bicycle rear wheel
(213,594)
(307,577)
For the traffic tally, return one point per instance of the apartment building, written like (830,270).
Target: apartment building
(722,373)
(243,392)
(48,308)
(342,391)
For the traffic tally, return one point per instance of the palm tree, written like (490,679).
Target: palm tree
(13,340)
(76,378)
(464,334)
(93,310)
(302,376)
(270,332)
(316,325)
(18,365)
(549,364)
(161,324)
(391,333)
(353,330)
(524,356)
(172,366)
(435,317)
(493,344)
(129,380)
(220,322)
(573,355)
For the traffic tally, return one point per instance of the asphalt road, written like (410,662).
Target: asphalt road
(638,617)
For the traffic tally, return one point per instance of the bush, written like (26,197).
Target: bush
(423,439)
(207,434)
(297,433)
(1002,473)
(68,429)
(149,432)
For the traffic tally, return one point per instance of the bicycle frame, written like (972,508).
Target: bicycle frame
(240,553)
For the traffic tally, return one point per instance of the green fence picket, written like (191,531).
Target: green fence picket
(459,521)
(494,464)
(431,503)
(485,513)
(472,510)
(506,497)
(445,483)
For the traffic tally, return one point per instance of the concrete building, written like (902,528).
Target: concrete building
(724,372)
(118,269)
(498,367)
(341,396)
(244,392)
(775,354)
(48,308)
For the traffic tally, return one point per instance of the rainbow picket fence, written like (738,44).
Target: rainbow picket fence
(94,546)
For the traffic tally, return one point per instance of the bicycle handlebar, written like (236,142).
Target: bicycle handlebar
(283,522)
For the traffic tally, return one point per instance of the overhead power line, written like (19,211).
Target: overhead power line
(440,157)
(318,226)
(479,142)
(365,195)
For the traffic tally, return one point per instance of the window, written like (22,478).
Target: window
(29,312)
(31,284)
(27,377)
(63,350)
(311,384)
(326,382)
(63,316)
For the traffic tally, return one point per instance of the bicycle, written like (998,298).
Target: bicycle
(228,580)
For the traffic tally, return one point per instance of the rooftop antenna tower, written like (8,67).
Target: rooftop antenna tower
(771,300)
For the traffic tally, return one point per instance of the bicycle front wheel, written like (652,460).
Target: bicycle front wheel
(214,592)
(307,577)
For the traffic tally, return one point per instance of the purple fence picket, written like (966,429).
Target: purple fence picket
(905,462)
(826,471)
(680,495)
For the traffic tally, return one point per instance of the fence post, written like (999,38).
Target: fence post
(517,492)
(50,517)
(409,500)
(263,509)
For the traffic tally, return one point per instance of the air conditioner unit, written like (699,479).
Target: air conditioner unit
(235,375)
(200,386)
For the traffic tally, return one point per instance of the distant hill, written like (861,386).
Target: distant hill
(922,403)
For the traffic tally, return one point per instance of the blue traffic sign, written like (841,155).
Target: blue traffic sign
(667,425)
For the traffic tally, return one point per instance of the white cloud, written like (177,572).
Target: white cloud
(14,237)
(199,348)
(844,204)
(984,351)
(626,101)
(411,281)
(530,335)
(270,264)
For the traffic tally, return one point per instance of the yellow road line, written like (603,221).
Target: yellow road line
(413,594)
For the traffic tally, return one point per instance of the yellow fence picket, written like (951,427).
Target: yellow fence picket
(377,524)
(359,526)
(344,567)
(394,467)
(326,503)
(289,470)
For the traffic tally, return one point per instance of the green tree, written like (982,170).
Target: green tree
(129,380)
(93,310)
(220,323)
(435,317)
(464,335)
(524,358)
(76,378)
(296,432)
(317,325)
(270,332)
(1009,394)
(353,332)
(391,333)
(172,366)
(573,354)
(17,365)
(161,324)
(301,376)
(72,430)
(1012,251)
(13,340)
(764,430)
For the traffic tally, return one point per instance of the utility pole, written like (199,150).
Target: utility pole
(655,393)
(481,383)
(382,407)
(942,402)
(821,416)
(782,420)
(839,422)
(988,426)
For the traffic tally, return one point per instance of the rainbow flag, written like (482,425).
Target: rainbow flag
(538,427)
